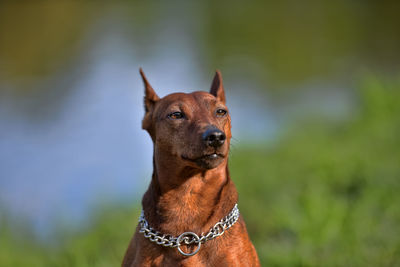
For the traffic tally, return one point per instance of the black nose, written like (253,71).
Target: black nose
(214,137)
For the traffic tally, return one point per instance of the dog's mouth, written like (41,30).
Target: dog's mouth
(207,156)
(207,161)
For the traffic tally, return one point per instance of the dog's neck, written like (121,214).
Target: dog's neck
(182,198)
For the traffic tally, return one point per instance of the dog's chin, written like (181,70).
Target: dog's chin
(208,162)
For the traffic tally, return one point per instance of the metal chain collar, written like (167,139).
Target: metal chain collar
(188,238)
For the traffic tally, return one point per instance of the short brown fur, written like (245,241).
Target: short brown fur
(189,190)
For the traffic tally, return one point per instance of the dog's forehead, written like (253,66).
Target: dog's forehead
(195,98)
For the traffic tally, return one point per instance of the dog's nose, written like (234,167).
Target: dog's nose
(214,137)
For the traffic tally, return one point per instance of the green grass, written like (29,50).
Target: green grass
(326,194)
(102,243)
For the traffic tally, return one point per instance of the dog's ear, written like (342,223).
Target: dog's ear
(150,96)
(217,88)
(150,99)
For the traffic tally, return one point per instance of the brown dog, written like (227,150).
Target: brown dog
(190,217)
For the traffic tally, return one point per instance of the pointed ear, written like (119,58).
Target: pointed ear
(150,99)
(217,88)
(150,96)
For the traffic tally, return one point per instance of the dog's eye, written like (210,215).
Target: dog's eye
(176,115)
(220,112)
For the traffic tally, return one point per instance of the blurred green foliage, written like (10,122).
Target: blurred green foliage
(281,43)
(286,42)
(39,37)
(325,194)
(328,193)
(100,243)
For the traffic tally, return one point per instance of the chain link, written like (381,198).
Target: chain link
(188,238)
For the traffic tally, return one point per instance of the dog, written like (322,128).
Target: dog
(190,215)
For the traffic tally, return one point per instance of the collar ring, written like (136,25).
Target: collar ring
(183,238)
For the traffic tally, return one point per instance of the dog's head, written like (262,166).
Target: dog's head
(193,129)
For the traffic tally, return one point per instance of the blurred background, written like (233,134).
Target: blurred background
(314,94)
